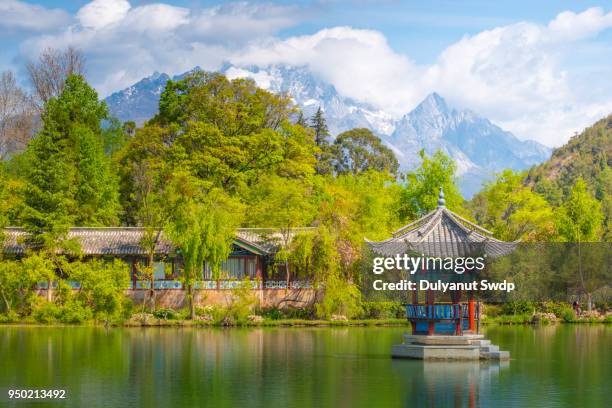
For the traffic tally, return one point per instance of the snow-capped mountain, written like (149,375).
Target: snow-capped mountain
(140,101)
(309,92)
(479,147)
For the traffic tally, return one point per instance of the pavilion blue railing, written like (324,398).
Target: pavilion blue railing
(223,284)
(444,311)
(206,284)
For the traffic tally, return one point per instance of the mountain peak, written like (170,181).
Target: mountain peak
(433,103)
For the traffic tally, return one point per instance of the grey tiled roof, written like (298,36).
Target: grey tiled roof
(268,239)
(126,240)
(442,233)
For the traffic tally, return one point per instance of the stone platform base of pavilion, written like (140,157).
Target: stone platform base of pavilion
(438,347)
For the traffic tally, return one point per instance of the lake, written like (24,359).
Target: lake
(563,365)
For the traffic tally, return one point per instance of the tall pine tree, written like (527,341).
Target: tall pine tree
(69,180)
(319,124)
(324,156)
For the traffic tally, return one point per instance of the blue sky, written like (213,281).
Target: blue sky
(538,68)
(419,28)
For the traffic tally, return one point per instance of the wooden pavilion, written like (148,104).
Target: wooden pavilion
(443,234)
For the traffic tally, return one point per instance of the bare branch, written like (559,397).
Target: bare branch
(48,74)
(17,116)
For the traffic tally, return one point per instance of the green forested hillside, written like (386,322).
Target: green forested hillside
(587,155)
(573,189)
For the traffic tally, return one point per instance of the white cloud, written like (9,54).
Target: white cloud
(239,21)
(526,77)
(16,15)
(100,13)
(124,43)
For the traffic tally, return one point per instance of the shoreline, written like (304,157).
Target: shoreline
(284,323)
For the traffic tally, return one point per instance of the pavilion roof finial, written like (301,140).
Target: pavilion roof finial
(441,200)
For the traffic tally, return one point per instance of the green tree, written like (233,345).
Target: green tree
(580,219)
(579,222)
(115,135)
(512,211)
(69,180)
(154,200)
(102,288)
(358,150)
(286,204)
(422,186)
(18,279)
(203,229)
(227,133)
(319,125)
(324,155)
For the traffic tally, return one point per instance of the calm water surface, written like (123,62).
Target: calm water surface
(565,365)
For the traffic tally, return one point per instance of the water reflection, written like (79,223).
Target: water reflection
(446,384)
(344,367)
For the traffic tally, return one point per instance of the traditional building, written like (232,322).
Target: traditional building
(252,256)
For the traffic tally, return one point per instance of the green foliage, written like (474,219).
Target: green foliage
(68,179)
(568,316)
(581,216)
(319,125)
(359,150)
(558,308)
(340,298)
(422,188)
(102,288)
(518,308)
(46,312)
(169,314)
(235,130)
(243,301)
(203,228)
(18,279)
(71,312)
(586,156)
(11,197)
(324,155)
(524,318)
(512,211)
(115,135)
(383,310)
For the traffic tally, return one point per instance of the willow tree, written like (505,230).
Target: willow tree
(285,204)
(203,228)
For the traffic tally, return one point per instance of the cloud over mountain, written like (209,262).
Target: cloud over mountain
(527,77)
(479,147)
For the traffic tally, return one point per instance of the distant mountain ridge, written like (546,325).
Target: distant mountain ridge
(479,147)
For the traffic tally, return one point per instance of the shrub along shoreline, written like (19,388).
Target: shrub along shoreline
(244,315)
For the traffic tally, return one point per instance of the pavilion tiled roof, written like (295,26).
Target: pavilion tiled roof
(126,240)
(442,233)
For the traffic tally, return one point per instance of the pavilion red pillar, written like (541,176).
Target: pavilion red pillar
(457,304)
(471,313)
(430,301)
(415,302)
